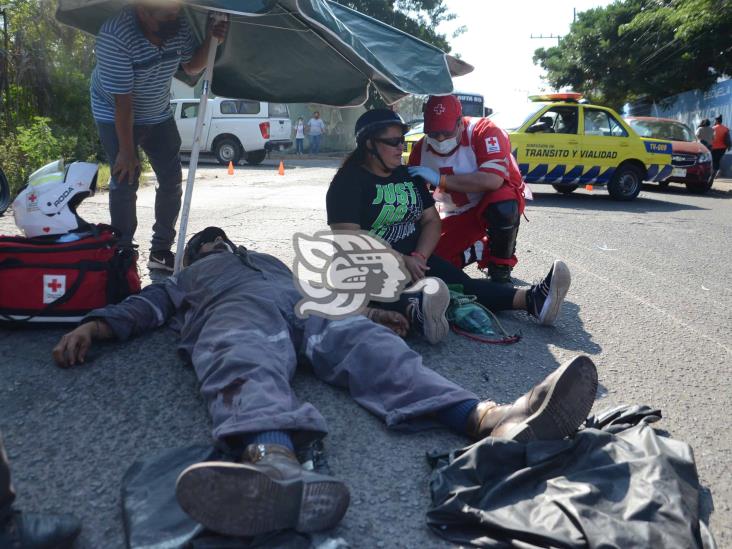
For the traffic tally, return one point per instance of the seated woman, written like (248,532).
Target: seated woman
(374,192)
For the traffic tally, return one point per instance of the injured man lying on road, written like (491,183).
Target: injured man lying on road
(234,310)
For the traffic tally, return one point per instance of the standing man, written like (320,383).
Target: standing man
(478,189)
(721,143)
(316,129)
(138,52)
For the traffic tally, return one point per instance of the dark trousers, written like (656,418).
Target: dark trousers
(161,143)
(496,297)
(493,296)
(717,155)
(7,495)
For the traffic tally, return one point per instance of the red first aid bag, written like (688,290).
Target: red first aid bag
(49,282)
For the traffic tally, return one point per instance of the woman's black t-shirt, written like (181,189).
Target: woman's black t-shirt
(388,207)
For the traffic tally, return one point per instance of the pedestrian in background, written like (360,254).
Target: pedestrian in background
(720,144)
(705,133)
(138,51)
(300,136)
(316,129)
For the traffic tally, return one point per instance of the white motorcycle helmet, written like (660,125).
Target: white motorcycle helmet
(47,205)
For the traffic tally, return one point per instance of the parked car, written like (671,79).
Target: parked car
(691,161)
(566,143)
(235,128)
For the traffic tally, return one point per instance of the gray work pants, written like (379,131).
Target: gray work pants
(161,143)
(246,373)
(7,495)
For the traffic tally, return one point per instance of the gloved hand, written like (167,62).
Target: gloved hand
(431,176)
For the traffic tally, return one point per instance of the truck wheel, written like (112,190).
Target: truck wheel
(227,150)
(4,192)
(626,183)
(256,157)
(565,189)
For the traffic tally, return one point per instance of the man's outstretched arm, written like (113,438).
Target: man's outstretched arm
(74,346)
(137,314)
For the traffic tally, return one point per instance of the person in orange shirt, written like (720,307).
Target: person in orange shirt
(721,143)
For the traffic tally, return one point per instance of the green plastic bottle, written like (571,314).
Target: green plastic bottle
(473,319)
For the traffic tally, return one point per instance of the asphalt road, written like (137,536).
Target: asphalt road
(650,302)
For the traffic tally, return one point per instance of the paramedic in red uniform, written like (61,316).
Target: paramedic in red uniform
(478,189)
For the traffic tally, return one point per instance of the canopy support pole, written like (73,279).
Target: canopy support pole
(195,151)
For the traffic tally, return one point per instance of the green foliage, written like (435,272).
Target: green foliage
(649,49)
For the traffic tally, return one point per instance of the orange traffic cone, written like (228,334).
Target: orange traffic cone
(231,168)
(281,169)
(588,187)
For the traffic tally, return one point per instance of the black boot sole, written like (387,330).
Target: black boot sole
(566,406)
(240,500)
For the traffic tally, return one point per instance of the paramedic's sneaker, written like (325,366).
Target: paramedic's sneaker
(544,300)
(552,410)
(427,302)
(163,260)
(269,492)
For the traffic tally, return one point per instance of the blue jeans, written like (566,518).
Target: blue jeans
(315,144)
(161,143)
(300,145)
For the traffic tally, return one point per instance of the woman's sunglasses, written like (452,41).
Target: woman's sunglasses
(391,141)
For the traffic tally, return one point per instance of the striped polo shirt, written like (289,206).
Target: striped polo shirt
(127,62)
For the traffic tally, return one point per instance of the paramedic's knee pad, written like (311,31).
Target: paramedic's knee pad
(503,215)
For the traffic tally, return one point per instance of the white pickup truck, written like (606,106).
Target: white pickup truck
(235,128)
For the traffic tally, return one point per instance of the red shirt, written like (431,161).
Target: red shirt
(483,147)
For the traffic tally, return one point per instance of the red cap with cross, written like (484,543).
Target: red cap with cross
(441,113)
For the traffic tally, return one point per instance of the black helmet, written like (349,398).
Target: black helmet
(209,234)
(372,121)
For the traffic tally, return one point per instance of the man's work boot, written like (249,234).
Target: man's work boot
(271,492)
(38,531)
(552,410)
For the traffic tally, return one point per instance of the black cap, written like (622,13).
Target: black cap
(372,121)
(209,234)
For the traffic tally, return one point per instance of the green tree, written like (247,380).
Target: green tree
(649,49)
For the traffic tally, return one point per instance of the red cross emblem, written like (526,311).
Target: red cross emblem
(32,197)
(439,109)
(54,285)
(492,141)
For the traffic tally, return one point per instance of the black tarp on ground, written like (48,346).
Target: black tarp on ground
(617,483)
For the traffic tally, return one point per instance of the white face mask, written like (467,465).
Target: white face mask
(443,147)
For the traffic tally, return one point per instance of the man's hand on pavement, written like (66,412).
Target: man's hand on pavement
(393,320)
(73,347)
(428,174)
(126,168)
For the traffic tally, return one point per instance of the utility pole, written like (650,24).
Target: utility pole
(556,37)
(552,36)
(6,61)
